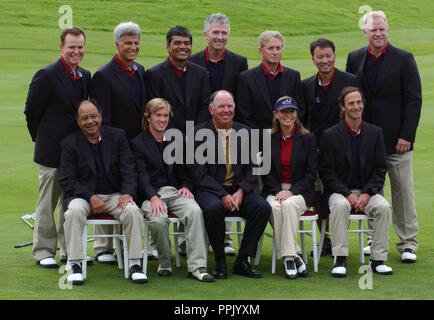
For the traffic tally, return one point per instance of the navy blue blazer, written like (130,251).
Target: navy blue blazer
(209,177)
(317,122)
(50,110)
(234,65)
(77,170)
(111,87)
(396,102)
(253,104)
(336,162)
(304,167)
(162,82)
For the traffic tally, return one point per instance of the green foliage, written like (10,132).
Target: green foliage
(29,40)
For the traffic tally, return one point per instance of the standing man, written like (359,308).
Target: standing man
(223,67)
(321,93)
(167,188)
(53,95)
(352,166)
(119,88)
(260,87)
(224,187)
(391,82)
(182,83)
(97,172)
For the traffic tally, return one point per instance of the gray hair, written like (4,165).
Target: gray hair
(267,35)
(372,15)
(126,28)
(216,17)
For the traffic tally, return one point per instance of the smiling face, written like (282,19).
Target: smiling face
(217,36)
(353,107)
(73,49)
(222,110)
(127,48)
(286,117)
(376,30)
(179,49)
(89,119)
(324,59)
(159,120)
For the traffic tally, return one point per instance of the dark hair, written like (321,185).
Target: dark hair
(178,31)
(322,43)
(92,101)
(76,31)
(346,91)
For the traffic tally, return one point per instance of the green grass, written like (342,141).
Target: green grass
(29,40)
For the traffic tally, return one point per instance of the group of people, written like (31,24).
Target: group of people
(100,147)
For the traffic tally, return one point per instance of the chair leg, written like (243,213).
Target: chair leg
(259,250)
(303,242)
(145,249)
(84,243)
(314,247)
(175,240)
(273,254)
(321,240)
(239,234)
(362,256)
(126,256)
(118,249)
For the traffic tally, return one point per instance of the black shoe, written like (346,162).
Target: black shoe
(326,248)
(220,271)
(75,275)
(290,269)
(379,267)
(302,268)
(137,275)
(340,267)
(243,267)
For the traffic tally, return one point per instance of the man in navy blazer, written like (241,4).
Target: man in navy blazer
(223,186)
(321,93)
(223,66)
(53,95)
(181,82)
(260,87)
(392,85)
(97,172)
(352,167)
(119,88)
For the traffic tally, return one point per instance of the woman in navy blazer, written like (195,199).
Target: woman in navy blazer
(289,187)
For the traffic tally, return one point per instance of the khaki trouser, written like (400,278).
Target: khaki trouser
(45,235)
(75,220)
(190,215)
(285,221)
(377,209)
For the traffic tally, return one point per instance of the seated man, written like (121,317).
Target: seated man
(97,173)
(352,167)
(224,186)
(167,189)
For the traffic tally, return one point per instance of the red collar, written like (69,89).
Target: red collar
(325,87)
(74,74)
(208,59)
(131,71)
(178,71)
(270,74)
(354,133)
(382,54)
(93,140)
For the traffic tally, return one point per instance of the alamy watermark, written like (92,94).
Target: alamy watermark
(367,280)
(65,20)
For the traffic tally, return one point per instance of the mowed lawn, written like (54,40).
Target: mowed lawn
(29,40)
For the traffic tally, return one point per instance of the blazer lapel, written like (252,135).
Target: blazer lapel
(260,79)
(360,72)
(106,151)
(84,147)
(188,83)
(275,154)
(228,70)
(385,66)
(363,147)
(153,151)
(123,79)
(66,82)
(173,82)
(345,143)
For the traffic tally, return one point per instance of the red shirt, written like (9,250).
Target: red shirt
(286,145)
(354,133)
(382,54)
(74,74)
(178,71)
(208,59)
(270,74)
(131,71)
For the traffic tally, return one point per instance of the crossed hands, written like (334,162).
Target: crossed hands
(233,202)
(98,205)
(358,203)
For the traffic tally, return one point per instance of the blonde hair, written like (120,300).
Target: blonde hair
(371,15)
(152,107)
(267,35)
(276,124)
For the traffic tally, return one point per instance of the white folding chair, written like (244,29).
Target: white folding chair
(360,218)
(117,235)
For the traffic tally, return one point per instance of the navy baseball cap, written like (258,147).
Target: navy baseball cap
(286,103)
